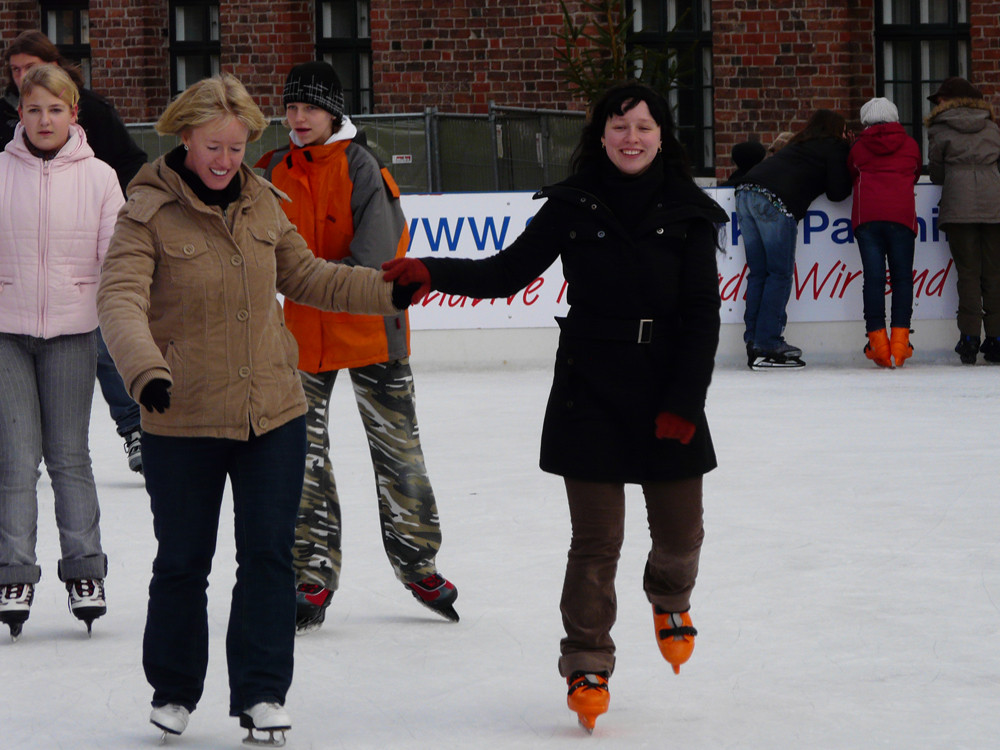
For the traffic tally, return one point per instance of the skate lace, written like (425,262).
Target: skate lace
(13,591)
(433,581)
(87,588)
(310,588)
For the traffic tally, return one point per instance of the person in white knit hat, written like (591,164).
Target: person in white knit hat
(885,163)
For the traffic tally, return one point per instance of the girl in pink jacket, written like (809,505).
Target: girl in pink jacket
(58,205)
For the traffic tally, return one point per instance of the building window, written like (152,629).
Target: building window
(919,43)
(344,39)
(194,42)
(684,28)
(67,24)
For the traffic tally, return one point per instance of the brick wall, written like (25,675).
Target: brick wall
(458,56)
(986,48)
(777,61)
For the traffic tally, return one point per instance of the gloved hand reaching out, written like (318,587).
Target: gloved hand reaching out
(408,272)
(156,395)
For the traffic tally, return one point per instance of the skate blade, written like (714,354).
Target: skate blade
(587,722)
(275,738)
(769,363)
(447,613)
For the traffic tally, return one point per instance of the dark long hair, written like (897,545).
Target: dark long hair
(616,101)
(36,44)
(824,123)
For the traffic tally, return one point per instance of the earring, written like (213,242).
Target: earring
(185,147)
(659,149)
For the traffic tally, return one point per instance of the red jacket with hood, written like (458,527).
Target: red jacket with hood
(884,163)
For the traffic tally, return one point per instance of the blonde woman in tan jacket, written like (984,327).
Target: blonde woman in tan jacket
(188,306)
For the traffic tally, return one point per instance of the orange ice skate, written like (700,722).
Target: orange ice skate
(588,697)
(675,635)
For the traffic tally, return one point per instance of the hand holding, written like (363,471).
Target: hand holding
(671,427)
(156,395)
(408,272)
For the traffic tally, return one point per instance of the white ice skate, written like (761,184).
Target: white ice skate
(265,717)
(86,599)
(171,718)
(15,606)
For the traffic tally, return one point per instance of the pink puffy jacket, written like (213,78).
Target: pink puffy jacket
(56,220)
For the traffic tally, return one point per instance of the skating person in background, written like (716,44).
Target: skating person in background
(346,206)
(55,225)
(962,156)
(770,202)
(632,371)
(746,156)
(885,164)
(113,145)
(188,304)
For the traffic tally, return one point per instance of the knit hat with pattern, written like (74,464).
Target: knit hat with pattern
(315,83)
(877,111)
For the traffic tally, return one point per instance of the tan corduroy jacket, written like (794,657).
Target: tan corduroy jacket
(188,294)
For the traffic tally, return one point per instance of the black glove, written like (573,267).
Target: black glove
(402,294)
(156,395)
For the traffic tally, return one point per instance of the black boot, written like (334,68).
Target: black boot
(991,349)
(967,348)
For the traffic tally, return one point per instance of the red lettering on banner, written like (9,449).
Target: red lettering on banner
(731,289)
(838,268)
(934,285)
(562,291)
(529,295)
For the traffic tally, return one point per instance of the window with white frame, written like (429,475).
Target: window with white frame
(67,24)
(194,42)
(343,39)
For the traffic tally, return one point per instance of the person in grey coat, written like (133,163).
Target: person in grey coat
(963,154)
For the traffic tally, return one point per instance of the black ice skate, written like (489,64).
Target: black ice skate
(271,718)
(311,601)
(15,606)
(86,599)
(783,355)
(437,593)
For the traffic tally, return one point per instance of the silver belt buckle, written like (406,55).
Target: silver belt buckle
(645,331)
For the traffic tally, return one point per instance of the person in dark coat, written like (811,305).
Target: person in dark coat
(112,144)
(885,163)
(770,202)
(638,241)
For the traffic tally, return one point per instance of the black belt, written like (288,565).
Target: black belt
(635,331)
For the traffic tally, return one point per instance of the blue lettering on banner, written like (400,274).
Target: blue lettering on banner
(452,238)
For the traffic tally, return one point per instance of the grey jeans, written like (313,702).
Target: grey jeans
(46,392)
(589,604)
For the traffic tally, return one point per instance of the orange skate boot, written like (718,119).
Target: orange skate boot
(675,635)
(900,345)
(588,697)
(878,348)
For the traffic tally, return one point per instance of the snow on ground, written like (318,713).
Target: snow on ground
(849,594)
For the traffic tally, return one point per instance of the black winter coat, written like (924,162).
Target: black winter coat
(608,387)
(801,172)
(106,133)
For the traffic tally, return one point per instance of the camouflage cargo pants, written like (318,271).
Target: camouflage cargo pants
(411,533)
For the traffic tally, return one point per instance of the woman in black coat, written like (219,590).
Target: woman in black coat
(638,243)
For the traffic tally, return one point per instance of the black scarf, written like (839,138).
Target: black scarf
(208,196)
(630,197)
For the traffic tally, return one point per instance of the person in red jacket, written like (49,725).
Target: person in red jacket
(885,163)
(346,205)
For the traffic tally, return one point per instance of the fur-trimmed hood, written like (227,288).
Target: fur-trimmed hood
(967,122)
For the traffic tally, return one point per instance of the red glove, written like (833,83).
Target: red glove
(671,427)
(408,272)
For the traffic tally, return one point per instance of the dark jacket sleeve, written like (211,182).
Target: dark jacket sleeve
(108,136)
(838,177)
(697,337)
(506,272)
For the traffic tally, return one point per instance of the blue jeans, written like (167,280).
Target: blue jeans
(769,239)
(123,409)
(185,478)
(46,392)
(880,242)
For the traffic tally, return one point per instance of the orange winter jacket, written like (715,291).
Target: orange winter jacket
(346,206)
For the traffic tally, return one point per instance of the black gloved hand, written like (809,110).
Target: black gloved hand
(156,395)
(403,294)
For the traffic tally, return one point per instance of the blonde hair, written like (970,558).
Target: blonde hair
(210,99)
(53,79)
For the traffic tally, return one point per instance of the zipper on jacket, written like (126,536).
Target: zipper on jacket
(45,180)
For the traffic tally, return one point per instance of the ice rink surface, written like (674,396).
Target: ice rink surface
(849,595)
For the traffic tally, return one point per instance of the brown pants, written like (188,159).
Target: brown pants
(976,250)
(589,604)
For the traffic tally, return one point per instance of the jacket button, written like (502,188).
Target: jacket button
(188,250)
(271,235)
(263,423)
(660,230)
(572,234)
(242,315)
(600,234)
(236,260)
(593,206)
(244,372)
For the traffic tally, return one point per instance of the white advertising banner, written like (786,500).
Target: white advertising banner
(826,286)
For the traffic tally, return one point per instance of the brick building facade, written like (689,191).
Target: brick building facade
(771,63)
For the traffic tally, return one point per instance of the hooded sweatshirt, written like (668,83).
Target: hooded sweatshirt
(963,150)
(884,163)
(56,219)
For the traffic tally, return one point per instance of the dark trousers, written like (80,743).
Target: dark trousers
(589,604)
(976,250)
(881,243)
(185,478)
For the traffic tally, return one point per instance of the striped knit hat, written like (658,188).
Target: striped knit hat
(315,83)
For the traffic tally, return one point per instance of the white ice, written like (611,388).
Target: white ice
(849,594)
